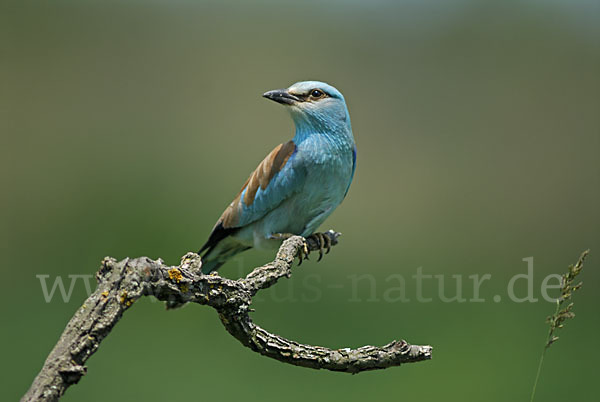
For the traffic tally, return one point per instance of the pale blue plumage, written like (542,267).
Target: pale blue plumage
(299,184)
(285,184)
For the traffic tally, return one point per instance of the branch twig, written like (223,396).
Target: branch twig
(121,283)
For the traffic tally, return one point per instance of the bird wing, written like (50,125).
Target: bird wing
(353,170)
(275,179)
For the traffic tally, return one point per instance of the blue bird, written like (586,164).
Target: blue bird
(298,185)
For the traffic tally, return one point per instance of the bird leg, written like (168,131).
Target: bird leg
(280,236)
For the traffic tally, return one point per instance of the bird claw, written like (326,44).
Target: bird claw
(323,241)
(303,253)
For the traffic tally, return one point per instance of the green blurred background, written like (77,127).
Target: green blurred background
(127,127)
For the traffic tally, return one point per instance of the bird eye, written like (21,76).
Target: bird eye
(315,93)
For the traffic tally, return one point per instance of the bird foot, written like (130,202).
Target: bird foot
(303,252)
(323,242)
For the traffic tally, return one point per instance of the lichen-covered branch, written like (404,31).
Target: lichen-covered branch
(121,283)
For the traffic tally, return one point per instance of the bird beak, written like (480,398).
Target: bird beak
(281,96)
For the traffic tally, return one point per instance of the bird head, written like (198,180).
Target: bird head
(313,105)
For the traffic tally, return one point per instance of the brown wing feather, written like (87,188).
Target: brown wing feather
(260,178)
(266,170)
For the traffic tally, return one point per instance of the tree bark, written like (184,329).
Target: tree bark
(121,283)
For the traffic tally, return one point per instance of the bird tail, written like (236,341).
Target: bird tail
(210,266)
(218,254)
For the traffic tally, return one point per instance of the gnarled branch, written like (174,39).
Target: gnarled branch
(121,283)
